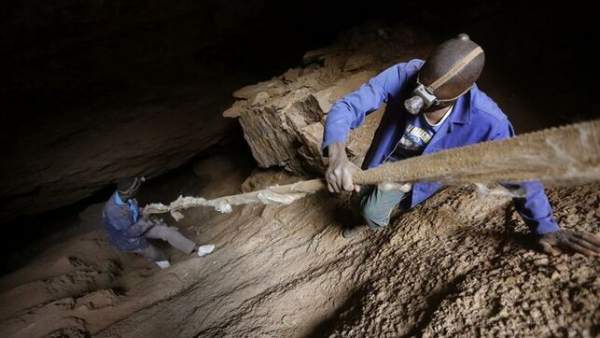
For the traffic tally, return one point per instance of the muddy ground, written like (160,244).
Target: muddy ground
(458,265)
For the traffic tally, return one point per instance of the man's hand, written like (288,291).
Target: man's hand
(578,241)
(139,228)
(340,170)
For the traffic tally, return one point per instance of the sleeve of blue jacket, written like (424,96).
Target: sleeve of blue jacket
(349,112)
(123,221)
(535,208)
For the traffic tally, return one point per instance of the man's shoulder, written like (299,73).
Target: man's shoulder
(113,210)
(110,204)
(484,109)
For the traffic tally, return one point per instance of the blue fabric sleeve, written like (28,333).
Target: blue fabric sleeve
(125,218)
(349,112)
(535,209)
(114,217)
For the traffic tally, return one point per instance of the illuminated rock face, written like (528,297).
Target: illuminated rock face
(283,118)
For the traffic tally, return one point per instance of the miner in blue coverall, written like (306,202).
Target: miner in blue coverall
(129,231)
(432,105)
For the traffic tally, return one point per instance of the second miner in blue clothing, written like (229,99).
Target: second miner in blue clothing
(129,231)
(432,105)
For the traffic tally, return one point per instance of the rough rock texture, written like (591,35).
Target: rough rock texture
(458,265)
(448,279)
(283,118)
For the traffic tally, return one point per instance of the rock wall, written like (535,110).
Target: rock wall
(283,118)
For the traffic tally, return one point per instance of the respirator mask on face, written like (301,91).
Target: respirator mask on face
(423,97)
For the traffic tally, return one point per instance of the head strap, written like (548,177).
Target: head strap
(456,68)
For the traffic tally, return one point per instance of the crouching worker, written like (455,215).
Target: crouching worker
(128,230)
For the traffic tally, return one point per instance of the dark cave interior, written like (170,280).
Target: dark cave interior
(85,64)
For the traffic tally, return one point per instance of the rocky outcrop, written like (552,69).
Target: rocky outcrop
(283,118)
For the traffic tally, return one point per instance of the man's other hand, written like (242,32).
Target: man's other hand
(571,240)
(340,170)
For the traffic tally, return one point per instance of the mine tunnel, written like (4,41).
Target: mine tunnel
(495,234)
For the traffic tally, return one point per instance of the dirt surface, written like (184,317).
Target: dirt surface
(459,265)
